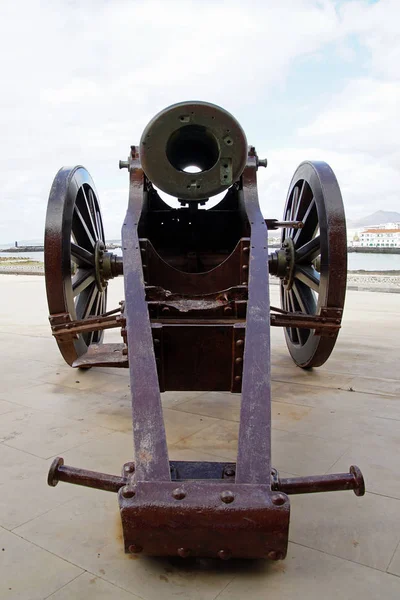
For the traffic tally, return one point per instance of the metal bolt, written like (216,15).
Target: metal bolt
(129,468)
(165,309)
(244,282)
(179,494)
(245,267)
(184,552)
(275,555)
(239,343)
(156,341)
(224,554)
(278,499)
(135,548)
(238,360)
(227,497)
(246,249)
(227,310)
(238,378)
(229,472)
(127,492)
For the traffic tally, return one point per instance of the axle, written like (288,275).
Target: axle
(353,480)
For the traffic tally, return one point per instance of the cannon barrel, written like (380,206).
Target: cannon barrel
(193,134)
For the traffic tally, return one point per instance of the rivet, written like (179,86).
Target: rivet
(129,468)
(245,267)
(165,309)
(278,499)
(127,492)
(238,378)
(229,472)
(224,554)
(184,552)
(227,310)
(275,555)
(246,249)
(227,497)
(238,360)
(135,548)
(156,341)
(239,342)
(179,494)
(244,282)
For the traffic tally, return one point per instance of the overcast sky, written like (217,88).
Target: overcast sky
(306,79)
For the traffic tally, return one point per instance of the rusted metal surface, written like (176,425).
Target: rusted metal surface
(197,316)
(193,133)
(314,198)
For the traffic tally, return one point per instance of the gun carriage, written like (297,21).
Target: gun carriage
(197,316)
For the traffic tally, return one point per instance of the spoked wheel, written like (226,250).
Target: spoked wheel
(316,256)
(73,248)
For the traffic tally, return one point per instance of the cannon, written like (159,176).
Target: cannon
(197,316)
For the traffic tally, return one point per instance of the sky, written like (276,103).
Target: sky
(307,80)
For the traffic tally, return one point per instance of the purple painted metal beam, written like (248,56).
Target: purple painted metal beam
(254,451)
(150,444)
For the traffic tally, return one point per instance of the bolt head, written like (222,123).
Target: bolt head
(229,472)
(227,310)
(127,492)
(224,554)
(238,378)
(275,555)
(135,549)
(184,552)
(227,496)
(179,494)
(278,499)
(240,343)
(129,468)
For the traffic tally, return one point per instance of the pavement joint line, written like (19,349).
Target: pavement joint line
(46,549)
(391,560)
(325,387)
(344,559)
(63,586)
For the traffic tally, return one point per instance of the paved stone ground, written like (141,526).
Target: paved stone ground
(65,542)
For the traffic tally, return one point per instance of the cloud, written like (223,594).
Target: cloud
(80,80)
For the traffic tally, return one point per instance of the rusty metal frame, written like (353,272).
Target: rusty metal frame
(223,510)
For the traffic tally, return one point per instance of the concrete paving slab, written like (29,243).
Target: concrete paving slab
(344,545)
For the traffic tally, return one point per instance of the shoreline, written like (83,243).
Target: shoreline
(360,280)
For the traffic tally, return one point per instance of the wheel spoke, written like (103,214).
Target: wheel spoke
(81,232)
(310,226)
(88,210)
(304,297)
(308,275)
(294,330)
(309,251)
(81,257)
(81,280)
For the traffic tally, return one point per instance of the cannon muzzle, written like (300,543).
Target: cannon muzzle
(188,137)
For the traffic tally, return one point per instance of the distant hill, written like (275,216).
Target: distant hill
(377,218)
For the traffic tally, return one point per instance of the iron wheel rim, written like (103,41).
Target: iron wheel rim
(314,197)
(74,228)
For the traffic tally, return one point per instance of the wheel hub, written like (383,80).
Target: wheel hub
(283,263)
(102,273)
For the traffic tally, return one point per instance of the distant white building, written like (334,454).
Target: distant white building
(386,235)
